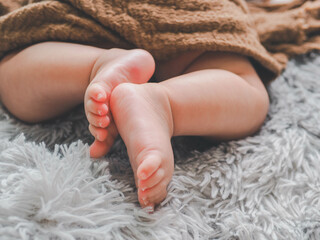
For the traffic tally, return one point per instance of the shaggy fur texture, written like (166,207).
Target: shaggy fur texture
(266,186)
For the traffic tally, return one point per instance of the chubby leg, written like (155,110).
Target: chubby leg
(45,80)
(48,79)
(219,96)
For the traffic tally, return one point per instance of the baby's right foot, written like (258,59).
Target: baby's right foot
(114,67)
(142,113)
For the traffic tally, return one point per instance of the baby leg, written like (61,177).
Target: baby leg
(45,80)
(206,101)
(48,79)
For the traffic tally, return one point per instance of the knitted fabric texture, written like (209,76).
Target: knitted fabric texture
(165,28)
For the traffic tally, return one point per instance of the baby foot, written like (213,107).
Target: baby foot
(143,117)
(114,67)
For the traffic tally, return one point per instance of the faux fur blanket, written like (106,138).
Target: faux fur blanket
(266,186)
(167,28)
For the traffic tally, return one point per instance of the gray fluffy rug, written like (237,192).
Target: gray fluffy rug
(266,186)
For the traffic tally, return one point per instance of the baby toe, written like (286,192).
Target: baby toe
(97,108)
(98,121)
(153,195)
(100,134)
(97,92)
(153,180)
(148,166)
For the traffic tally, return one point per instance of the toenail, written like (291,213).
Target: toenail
(98,138)
(143,189)
(145,201)
(100,112)
(143,175)
(100,95)
(100,124)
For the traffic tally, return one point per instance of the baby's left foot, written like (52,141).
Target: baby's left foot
(143,117)
(114,67)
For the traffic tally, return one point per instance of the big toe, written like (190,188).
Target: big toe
(96,92)
(148,166)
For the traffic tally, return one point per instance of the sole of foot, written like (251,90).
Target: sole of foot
(143,117)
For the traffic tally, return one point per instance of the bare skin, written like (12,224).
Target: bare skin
(110,70)
(59,76)
(195,103)
(215,95)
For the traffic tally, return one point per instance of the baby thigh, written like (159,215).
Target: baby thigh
(218,95)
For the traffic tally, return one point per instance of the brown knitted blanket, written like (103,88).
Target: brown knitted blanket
(269,35)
